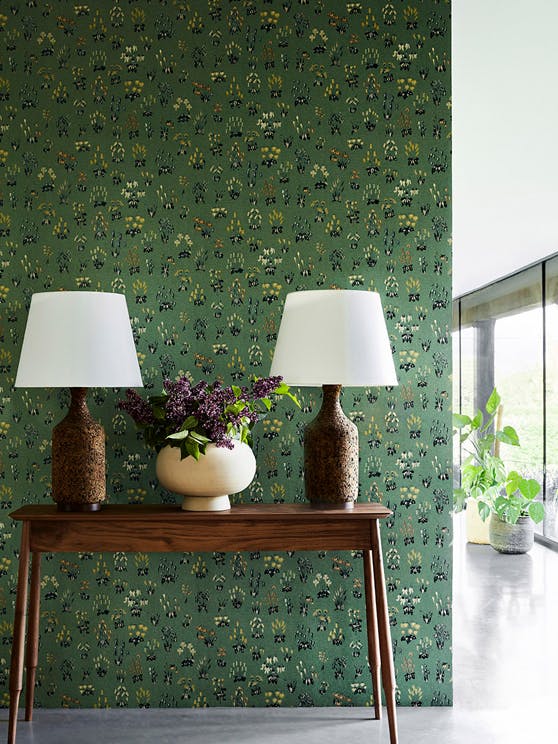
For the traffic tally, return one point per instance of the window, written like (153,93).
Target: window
(551,398)
(507,337)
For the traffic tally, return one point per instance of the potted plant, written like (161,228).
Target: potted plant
(203,435)
(504,497)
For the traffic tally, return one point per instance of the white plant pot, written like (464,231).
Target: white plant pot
(476,529)
(207,483)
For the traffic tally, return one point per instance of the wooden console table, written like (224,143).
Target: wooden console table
(163,528)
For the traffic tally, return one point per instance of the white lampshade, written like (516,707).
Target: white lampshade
(78,339)
(333,337)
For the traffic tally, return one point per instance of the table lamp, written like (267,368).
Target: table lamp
(78,340)
(333,338)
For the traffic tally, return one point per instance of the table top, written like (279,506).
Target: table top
(238,512)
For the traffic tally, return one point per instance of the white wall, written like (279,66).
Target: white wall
(505,137)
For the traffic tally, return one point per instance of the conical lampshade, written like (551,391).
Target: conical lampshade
(333,337)
(78,339)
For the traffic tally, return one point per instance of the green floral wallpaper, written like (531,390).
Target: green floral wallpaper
(205,159)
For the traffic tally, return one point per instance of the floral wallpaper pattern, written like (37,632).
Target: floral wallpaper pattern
(205,159)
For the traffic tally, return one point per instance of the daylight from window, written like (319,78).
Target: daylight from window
(506,336)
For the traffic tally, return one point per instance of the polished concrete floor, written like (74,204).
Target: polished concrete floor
(505,679)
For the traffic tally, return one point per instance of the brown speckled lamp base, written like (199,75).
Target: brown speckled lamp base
(331,455)
(78,458)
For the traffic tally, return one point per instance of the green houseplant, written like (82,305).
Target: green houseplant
(506,497)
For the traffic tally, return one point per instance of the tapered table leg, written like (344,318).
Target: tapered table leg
(372,631)
(18,645)
(32,650)
(386,656)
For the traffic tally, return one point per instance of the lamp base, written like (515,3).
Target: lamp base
(336,507)
(78,458)
(331,456)
(64,507)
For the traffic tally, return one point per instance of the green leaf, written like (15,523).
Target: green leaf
(501,503)
(193,448)
(158,413)
(508,436)
(236,390)
(459,420)
(484,445)
(475,492)
(529,488)
(536,511)
(190,423)
(459,496)
(179,435)
(200,438)
(513,482)
(267,403)
(293,398)
(284,389)
(512,514)
(476,421)
(493,402)
(235,408)
(281,389)
(484,510)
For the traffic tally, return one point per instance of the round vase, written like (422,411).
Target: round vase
(476,529)
(207,483)
(511,538)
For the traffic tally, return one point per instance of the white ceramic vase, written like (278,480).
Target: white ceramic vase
(477,530)
(207,483)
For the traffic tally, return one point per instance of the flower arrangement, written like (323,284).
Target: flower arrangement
(192,416)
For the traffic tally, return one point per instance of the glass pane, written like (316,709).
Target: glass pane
(518,354)
(468,370)
(456,384)
(550,526)
(518,374)
(502,346)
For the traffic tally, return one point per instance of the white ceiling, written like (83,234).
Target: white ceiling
(505,137)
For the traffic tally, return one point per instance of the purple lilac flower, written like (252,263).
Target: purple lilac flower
(220,439)
(200,389)
(265,386)
(180,402)
(214,407)
(210,414)
(138,408)
(253,416)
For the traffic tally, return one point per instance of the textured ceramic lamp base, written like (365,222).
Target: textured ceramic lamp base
(331,455)
(78,458)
